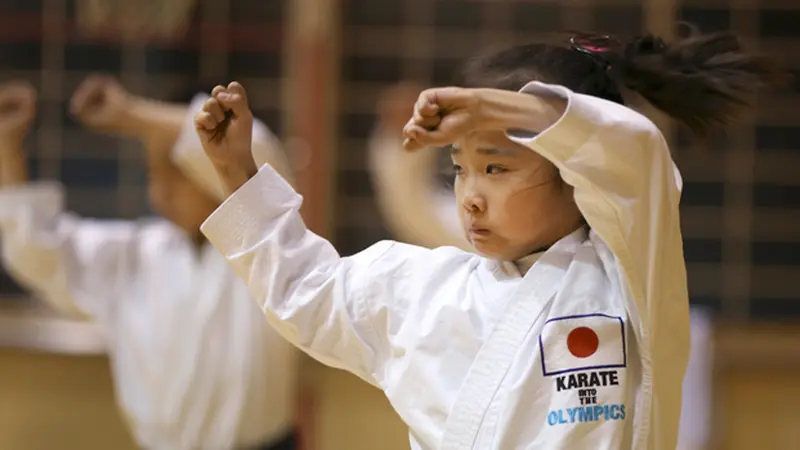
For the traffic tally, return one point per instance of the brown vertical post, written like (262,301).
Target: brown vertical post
(310,89)
(311,85)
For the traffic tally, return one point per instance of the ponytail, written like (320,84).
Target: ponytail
(701,80)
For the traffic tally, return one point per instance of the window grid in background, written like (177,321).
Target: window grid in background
(741,216)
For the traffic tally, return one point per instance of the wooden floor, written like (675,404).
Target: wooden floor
(52,402)
(758,410)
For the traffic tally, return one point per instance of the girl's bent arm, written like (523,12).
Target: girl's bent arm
(344,312)
(626,185)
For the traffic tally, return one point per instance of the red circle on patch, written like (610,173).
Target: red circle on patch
(582,342)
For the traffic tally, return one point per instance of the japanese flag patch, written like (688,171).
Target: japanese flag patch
(582,342)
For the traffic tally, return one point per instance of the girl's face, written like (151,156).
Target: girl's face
(512,201)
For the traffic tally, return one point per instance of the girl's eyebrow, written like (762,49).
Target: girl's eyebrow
(485,151)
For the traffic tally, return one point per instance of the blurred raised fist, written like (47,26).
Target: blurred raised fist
(100,103)
(17,108)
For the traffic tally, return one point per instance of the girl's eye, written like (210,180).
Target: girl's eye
(456,169)
(493,169)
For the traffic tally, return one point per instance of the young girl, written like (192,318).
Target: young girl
(419,212)
(570,330)
(195,366)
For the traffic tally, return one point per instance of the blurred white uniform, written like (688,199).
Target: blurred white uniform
(578,347)
(696,417)
(418,211)
(194,364)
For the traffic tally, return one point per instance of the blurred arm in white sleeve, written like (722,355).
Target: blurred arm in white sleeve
(71,262)
(414,208)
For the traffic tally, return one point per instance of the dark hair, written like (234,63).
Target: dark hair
(702,80)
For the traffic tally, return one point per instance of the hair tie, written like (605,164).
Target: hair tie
(603,50)
(594,45)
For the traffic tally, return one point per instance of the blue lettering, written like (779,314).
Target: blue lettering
(583,414)
(614,412)
(571,412)
(586,414)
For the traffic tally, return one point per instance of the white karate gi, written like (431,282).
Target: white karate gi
(195,366)
(587,349)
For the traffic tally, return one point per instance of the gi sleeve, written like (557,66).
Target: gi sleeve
(628,190)
(70,262)
(413,208)
(342,311)
(626,184)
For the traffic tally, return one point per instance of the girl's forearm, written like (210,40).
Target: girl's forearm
(508,110)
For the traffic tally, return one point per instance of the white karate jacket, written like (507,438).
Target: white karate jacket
(195,366)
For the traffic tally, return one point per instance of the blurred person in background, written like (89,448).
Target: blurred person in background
(195,366)
(418,209)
